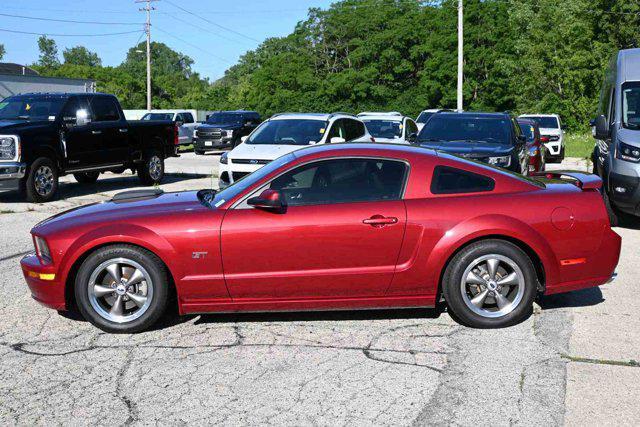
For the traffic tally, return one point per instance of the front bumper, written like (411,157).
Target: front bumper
(204,144)
(232,172)
(554,149)
(624,192)
(10,175)
(44,282)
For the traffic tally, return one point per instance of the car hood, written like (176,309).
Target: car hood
(219,126)
(15,125)
(470,149)
(630,136)
(262,151)
(550,131)
(121,211)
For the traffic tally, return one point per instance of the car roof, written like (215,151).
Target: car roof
(374,149)
(538,115)
(386,117)
(311,116)
(629,60)
(473,114)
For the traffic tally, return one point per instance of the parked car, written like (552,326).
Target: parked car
(182,119)
(552,134)
(493,138)
(537,150)
(287,132)
(224,129)
(45,136)
(390,127)
(616,156)
(342,226)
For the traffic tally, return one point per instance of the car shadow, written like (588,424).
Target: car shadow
(582,298)
(629,222)
(104,184)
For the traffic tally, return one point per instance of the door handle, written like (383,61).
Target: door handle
(125,130)
(96,132)
(380,221)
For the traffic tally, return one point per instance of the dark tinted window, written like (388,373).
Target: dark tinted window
(411,127)
(467,127)
(188,117)
(224,118)
(424,116)
(157,116)
(71,108)
(384,128)
(342,180)
(354,128)
(36,107)
(447,180)
(544,122)
(288,132)
(104,109)
(337,130)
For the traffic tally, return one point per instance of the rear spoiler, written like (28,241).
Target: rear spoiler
(584,180)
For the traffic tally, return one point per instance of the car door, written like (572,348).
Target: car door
(339,238)
(111,130)
(79,143)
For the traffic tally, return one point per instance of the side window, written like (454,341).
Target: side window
(516,128)
(104,109)
(341,181)
(71,108)
(179,118)
(187,117)
(448,180)
(354,128)
(411,127)
(337,130)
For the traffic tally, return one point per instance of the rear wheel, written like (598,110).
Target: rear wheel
(122,289)
(151,171)
(41,183)
(86,177)
(490,284)
(199,152)
(611,211)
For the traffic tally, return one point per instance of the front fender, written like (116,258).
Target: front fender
(487,226)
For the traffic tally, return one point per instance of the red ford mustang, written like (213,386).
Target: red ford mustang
(346,226)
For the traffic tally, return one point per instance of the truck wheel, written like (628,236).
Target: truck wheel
(490,284)
(611,211)
(41,183)
(199,153)
(86,177)
(151,172)
(122,289)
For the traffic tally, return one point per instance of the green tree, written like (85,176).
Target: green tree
(80,55)
(2,51)
(48,52)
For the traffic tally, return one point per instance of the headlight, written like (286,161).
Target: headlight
(628,152)
(223,159)
(10,147)
(502,161)
(42,249)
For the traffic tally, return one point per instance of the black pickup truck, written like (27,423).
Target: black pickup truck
(44,136)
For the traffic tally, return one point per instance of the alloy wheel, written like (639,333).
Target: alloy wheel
(44,180)
(155,167)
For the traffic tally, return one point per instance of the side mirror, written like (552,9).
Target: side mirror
(413,137)
(270,200)
(82,118)
(244,138)
(592,122)
(602,128)
(337,140)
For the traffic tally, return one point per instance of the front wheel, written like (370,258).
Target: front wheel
(41,183)
(490,284)
(122,289)
(151,172)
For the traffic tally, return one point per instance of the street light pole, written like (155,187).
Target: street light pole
(460,53)
(147,29)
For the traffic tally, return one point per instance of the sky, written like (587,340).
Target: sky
(214,33)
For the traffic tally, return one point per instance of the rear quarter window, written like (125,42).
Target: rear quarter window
(448,180)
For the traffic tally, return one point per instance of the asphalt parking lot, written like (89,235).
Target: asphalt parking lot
(575,361)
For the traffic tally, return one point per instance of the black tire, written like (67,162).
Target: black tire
(159,286)
(611,211)
(86,177)
(151,171)
(474,253)
(199,152)
(41,183)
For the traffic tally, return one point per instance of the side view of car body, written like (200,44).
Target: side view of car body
(390,127)
(616,155)
(344,226)
(552,133)
(285,133)
(184,121)
(537,150)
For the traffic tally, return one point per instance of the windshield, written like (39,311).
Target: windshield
(384,128)
(466,128)
(529,131)
(288,132)
(158,116)
(224,118)
(239,186)
(424,116)
(544,122)
(631,105)
(31,108)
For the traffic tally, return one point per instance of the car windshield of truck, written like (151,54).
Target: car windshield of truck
(158,116)
(384,128)
(289,132)
(218,199)
(544,122)
(224,119)
(466,128)
(631,105)
(424,116)
(31,108)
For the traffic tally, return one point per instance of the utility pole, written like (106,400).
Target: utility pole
(147,29)
(460,53)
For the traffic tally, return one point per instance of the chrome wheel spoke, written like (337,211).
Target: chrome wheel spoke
(136,277)
(102,291)
(478,300)
(473,278)
(115,272)
(492,267)
(501,300)
(118,307)
(138,300)
(509,280)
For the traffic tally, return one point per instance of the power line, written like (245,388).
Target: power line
(44,33)
(201,28)
(69,20)
(194,46)
(212,23)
